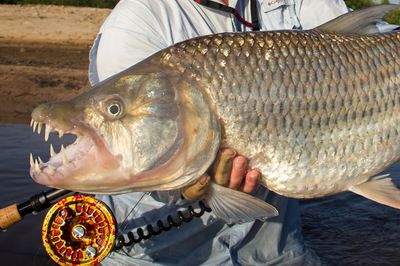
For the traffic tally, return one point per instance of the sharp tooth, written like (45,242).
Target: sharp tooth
(31,122)
(65,159)
(52,152)
(60,133)
(47,132)
(40,128)
(51,170)
(31,162)
(40,160)
(34,126)
(37,168)
(64,155)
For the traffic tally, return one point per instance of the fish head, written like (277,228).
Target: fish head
(136,131)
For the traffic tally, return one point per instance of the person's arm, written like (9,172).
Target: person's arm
(130,34)
(312,13)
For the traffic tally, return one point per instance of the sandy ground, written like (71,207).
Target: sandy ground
(43,55)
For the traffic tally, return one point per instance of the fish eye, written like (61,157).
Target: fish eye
(114,110)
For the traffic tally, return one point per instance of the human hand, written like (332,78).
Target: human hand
(230,170)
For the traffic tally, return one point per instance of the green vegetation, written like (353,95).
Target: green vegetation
(393,17)
(90,3)
(357,4)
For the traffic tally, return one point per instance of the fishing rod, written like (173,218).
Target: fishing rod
(14,213)
(82,230)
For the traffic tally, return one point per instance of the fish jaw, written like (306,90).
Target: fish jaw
(87,157)
(166,137)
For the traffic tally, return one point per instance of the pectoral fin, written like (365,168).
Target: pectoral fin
(380,189)
(237,207)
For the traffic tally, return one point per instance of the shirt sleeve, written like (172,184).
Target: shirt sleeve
(312,13)
(130,34)
(298,14)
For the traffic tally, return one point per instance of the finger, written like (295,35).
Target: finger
(251,181)
(239,169)
(223,166)
(197,190)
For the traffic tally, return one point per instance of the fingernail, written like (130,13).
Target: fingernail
(229,152)
(204,180)
(240,162)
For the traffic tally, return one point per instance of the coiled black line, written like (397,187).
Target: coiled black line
(156,230)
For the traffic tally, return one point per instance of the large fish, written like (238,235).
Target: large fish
(317,111)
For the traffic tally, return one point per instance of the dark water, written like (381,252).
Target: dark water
(343,230)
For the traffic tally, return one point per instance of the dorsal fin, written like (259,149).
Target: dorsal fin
(362,21)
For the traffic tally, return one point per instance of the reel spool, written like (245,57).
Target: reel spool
(79,230)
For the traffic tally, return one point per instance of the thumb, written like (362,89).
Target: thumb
(198,189)
(222,168)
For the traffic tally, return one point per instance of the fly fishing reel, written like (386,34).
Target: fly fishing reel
(79,230)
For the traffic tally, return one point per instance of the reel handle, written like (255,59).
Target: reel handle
(9,216)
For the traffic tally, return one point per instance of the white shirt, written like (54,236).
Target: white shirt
(138,28)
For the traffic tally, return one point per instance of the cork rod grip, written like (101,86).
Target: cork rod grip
(9,216)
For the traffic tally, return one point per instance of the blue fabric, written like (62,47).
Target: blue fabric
(208,240)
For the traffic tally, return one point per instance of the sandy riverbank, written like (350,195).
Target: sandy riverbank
(43,55)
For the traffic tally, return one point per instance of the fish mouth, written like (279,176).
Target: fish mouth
(75,164)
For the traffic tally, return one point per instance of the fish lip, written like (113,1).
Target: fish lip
(90,147)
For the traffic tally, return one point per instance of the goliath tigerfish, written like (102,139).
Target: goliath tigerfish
(317,111)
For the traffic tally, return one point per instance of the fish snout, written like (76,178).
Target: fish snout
(41,113)
(59,115)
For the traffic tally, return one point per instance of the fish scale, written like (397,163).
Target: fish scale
(303,106)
